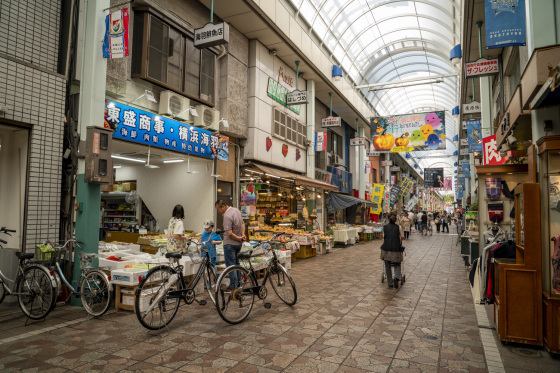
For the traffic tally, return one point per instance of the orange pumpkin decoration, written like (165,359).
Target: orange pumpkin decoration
(379,129)
(383,142)
(402,141)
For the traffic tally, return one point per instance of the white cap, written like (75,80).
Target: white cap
(208,223)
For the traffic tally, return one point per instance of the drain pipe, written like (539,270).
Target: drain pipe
(224,52)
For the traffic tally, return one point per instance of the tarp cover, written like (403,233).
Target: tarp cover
(341,201)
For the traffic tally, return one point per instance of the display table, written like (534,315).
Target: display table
(346,236)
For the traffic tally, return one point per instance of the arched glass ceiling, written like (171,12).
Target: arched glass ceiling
(376,41)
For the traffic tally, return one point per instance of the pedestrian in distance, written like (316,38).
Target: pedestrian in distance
(392,251)
(424,223)
(211,238)
(233,238)
(437,220)
(445,223)
(406,225)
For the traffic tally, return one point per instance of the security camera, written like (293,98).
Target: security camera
(307,142)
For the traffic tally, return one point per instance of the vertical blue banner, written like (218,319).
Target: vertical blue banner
(474,135)
(466,169)
(505,23)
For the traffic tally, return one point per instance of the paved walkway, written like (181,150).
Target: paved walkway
(345,320)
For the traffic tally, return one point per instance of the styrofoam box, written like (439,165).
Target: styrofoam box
(126,276)
(351,241)
(189,268)
(128,297)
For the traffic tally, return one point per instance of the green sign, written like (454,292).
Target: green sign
(278,92)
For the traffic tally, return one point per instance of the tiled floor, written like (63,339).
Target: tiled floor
(345,320)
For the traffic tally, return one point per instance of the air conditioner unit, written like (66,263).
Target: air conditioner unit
(174,105)
(207,117)
(336,160)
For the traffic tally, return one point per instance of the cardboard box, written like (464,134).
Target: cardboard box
(127,187)
(106,187)
(146,240)
(117,188)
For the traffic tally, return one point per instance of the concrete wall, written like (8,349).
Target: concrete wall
(33,93)
(262,66)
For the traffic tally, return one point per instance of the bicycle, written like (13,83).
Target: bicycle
(239,299)
(95,290)
(34,286)
(161,289)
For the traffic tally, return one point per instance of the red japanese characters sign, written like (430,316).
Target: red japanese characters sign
(491,154)
(481,67)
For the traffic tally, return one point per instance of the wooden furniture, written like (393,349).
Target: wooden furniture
(118,297)
(549,166)
(518,285)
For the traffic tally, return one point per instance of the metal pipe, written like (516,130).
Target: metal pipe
(211,11)
(297,75)
(330,106)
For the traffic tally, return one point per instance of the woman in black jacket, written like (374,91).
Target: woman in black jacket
(391,250)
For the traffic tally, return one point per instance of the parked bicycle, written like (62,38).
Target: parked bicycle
(95,288)
(235,301)
(162,288)
(34,285)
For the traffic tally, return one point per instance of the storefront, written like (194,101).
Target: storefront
(159,163)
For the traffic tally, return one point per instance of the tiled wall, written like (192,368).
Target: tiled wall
(32,92)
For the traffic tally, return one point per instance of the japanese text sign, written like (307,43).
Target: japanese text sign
(140,126)
(505,23)
(296,97)
(410,132)
(474,135)
(386,163)
(331,122)
(395,192)
(387,202)
(320,141)
(472,108)
(279,93)
(491,154)
(358,141)
(481,67)
(211,35)
(412,203)
(406,186)
(377,197)
(115,42)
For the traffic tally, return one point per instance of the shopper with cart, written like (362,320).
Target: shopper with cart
(392,251)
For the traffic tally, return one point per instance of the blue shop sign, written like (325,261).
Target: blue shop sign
(474,135)
(505,23)
(132,124)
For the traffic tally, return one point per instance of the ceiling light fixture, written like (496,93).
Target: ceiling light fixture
(128,159)
(399,85)
(173,160)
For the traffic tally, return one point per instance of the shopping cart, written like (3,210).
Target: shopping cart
(403,275)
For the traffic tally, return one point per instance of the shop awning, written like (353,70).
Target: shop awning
(298,179)
(341,202)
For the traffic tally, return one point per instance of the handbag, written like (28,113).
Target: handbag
(436,221)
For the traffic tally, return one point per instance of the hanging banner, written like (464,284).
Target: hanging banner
(412,203)
(278,92)
(132,124)
(115,42)
(320,141)
(367,170)
(387,202)
(467,169)
(406,186)
(505,23)
(447,185)
(405,133)
(395,192)
(474,135)
(491,154)
(377,198)
(433,178)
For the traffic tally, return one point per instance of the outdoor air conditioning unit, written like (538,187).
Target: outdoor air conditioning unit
(336,160)
(174,105)
(207,117)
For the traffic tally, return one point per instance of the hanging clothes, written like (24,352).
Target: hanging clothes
(491,238)
(555,258)
(502,250)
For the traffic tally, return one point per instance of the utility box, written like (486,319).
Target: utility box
(99,165)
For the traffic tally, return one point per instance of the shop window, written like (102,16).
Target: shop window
(167,57)
(334,143)
(289,129)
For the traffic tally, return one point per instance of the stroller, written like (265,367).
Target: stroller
(403,275)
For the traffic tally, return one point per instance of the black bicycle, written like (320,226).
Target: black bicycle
(238,284)
(162,288)
(34,285)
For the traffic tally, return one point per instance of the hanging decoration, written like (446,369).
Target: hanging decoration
(268,143)
(285,150)
(298,155)
(115,43)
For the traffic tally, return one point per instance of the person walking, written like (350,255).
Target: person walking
(437,220)
(233,238)
(392,251)
(415,221)
(445,223)
(176,241)
(406,225)
(419,221)
(424,220)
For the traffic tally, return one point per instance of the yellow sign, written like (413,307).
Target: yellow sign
(401,149)
(377,198)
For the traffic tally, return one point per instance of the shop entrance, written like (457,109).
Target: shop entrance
(14,142)
(225,193)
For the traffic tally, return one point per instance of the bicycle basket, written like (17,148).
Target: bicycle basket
(46,254)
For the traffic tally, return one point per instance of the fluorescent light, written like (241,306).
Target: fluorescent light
(111,105)
(173,160)
(117,166)
(128,159)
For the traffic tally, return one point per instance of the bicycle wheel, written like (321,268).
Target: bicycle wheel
(2,291)
(96,293)
(36,292)
(234,305)
(210,280)
(283,284)
(153,305)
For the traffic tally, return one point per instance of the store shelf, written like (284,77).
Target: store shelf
(127,210)
(122,222)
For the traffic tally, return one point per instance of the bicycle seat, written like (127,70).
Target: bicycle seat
(23,256)
(177,255)
(245,255)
